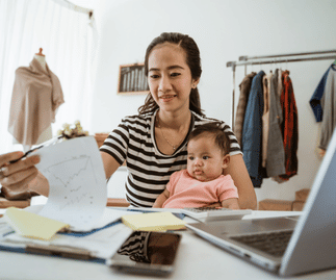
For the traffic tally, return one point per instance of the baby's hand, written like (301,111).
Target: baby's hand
(231,203)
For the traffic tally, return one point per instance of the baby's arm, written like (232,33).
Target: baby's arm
(231,203)
(161,199)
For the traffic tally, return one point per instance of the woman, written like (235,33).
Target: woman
(153,143)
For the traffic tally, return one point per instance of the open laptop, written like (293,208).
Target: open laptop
(310,239)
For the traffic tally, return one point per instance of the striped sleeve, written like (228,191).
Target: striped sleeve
(116,143)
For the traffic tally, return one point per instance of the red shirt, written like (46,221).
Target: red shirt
(289,127)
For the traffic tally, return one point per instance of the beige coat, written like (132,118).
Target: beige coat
(36,96)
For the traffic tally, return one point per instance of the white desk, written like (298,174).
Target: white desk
(197,259)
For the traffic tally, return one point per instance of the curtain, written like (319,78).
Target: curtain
(68,39)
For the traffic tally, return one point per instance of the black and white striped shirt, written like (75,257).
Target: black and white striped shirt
(149,169)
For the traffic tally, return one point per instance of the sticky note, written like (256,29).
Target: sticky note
(32,225)
(160,221)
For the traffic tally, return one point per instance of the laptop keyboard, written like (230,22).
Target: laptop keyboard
(207,209)
(273,243)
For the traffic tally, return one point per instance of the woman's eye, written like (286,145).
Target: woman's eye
(175,74)
(205,157)
(154,76)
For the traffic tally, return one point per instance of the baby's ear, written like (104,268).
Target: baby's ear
(226,161)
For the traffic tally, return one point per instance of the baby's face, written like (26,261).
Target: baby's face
(205,159)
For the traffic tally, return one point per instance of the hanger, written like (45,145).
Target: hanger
(40,52)
(272,66)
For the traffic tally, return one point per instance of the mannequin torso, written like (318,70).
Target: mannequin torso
(46,134)
(41,59)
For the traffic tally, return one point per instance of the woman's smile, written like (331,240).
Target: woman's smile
(167,98)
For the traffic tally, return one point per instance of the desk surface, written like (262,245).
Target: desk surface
(197,259)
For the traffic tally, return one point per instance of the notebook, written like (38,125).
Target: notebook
(160,221)
(311,237)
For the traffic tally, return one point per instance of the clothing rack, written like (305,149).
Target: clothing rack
(273,59)
(72,6)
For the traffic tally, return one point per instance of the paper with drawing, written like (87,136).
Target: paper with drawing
(76,176)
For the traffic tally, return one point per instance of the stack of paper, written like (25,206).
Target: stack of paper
(160,221)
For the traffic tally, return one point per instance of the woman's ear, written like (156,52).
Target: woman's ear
(226,161)
(195,83)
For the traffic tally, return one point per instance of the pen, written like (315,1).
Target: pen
(26,154)
(53,141)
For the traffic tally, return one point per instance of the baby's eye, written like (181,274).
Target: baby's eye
(191,158)
(205,157)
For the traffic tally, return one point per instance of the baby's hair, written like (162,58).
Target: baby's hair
(212,129)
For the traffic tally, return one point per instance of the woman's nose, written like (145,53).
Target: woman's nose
(164,84)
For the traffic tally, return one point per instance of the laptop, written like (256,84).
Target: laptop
(289,245)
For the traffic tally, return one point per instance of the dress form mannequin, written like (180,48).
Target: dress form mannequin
(46,134)
(41,58)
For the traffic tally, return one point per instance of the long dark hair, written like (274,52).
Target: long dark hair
(193,60)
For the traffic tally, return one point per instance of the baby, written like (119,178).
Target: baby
(203,182)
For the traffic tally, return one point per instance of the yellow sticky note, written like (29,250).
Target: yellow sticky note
(32,225)
(160,221)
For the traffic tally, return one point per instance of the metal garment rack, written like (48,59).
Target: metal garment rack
(274,59)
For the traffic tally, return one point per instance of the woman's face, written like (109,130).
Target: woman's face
(169,77)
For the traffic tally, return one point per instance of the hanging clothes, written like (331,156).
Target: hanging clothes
(265,117)
(315,101)
(289,127)
(275,164)
(36,96)
(328,104)
(244,87)
(252,131)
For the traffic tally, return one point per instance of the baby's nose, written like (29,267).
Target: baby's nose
(198,162)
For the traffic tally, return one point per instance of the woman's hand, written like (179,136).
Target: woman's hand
(15,177)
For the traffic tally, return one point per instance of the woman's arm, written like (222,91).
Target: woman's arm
(110,164)
(238,171)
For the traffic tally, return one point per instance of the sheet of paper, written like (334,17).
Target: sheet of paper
(32,225)
(111,215)
(76,176)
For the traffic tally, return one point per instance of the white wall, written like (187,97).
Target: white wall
(224,30)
